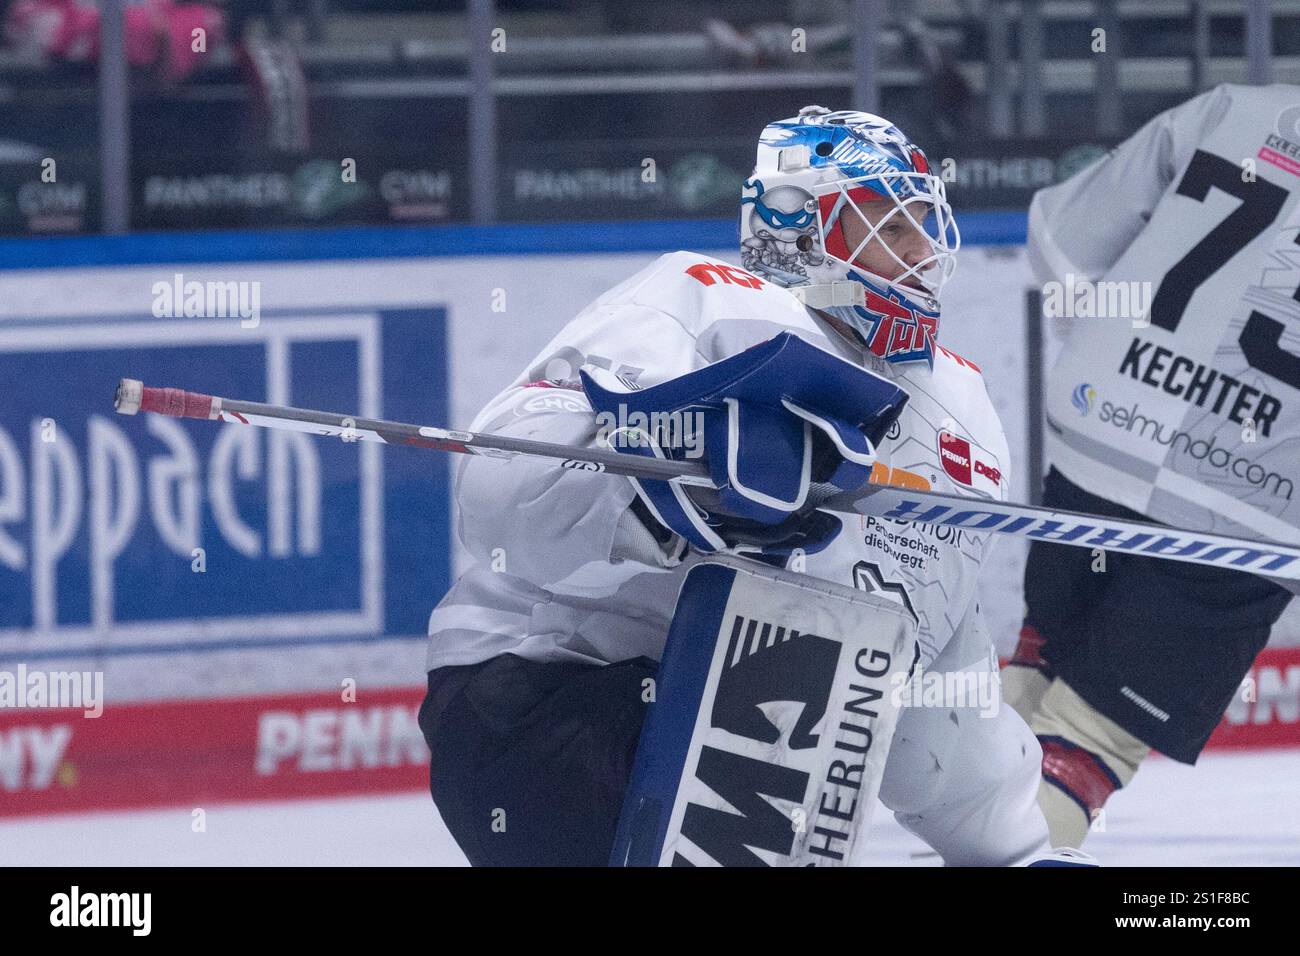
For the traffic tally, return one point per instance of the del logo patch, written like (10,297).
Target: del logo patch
(966,465)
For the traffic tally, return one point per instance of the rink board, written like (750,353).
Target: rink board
(321,560)
(204,752)
(142,534)
(195,753)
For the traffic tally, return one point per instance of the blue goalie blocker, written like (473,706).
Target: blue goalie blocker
(774,711)
(775,419)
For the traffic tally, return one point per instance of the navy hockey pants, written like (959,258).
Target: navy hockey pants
(530,760)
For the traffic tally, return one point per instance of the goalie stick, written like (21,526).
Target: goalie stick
(1269,558)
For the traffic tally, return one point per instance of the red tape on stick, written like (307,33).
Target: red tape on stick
(176,402)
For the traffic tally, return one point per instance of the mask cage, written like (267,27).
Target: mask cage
(919,198)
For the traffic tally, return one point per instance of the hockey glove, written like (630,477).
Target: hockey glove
(770,423)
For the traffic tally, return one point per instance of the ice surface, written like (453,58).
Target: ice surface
(1233,809)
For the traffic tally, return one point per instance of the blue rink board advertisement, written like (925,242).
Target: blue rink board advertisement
(145,534)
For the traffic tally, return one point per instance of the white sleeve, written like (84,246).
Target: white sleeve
(532,518)
(1083,225)
(570,520)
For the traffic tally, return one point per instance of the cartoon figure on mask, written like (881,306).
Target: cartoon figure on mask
(782,230)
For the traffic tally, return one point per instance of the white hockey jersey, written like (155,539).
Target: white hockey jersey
(1193,420)
(563,570)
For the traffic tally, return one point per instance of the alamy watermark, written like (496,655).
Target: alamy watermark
(1078,298)
(980,690)
(24,688)
(133,911)
(192,299)
(681,429)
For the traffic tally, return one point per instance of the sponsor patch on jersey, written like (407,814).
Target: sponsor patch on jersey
(1282,147)
(1280,160)
(883,474)
(1083,398)
(954,454)
(967,465)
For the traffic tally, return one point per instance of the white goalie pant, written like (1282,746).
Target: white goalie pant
(965,779)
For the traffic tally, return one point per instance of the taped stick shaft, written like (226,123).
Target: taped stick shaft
(133,396)
(1268,558)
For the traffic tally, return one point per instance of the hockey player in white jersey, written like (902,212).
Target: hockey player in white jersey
(1185,411)
(539,653)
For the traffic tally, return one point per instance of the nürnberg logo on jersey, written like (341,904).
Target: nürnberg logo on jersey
(902,332)
(967,465)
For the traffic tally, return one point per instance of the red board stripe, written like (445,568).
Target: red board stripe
(297,746)
(177,753)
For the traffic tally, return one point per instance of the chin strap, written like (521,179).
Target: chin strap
(830,295)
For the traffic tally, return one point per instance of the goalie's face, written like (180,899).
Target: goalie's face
(883,241)
(900,233)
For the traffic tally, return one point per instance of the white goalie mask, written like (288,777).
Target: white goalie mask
(843,210)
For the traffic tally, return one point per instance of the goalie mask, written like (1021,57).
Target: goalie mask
(842,209)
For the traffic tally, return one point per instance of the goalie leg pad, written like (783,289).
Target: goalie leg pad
(773,718)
